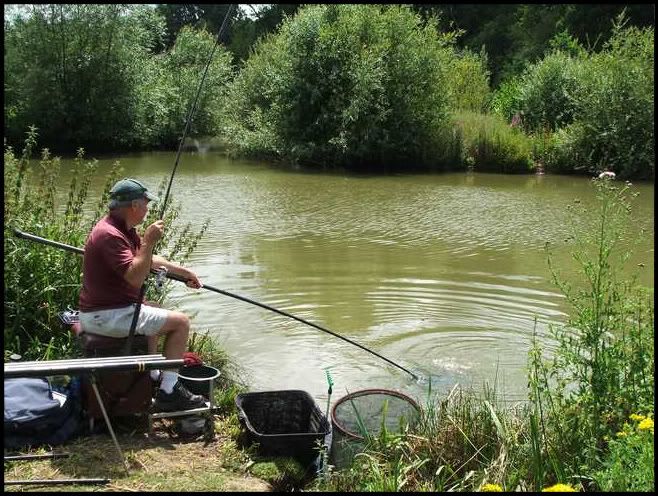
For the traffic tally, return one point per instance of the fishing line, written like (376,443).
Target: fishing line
(192,110)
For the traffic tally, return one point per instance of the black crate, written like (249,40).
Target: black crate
(283,423)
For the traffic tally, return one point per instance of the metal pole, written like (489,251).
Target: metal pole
(68,369)
(109,425)
(12,458)
(100,360)
(46,482)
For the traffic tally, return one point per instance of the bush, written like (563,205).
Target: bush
(545,95)
(170,83)
(41,281)
(599,105)
(88,75)
(506,100)
(60,80)
(346,85)
(615,117)
(468,82)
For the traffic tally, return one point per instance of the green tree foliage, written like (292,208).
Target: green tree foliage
(545,96)
(468,81)
(170,83)
(347,85)
(615,119)
(90,75)
(71,71)
(592,110)
(246,31)
(195,15)
(515,35)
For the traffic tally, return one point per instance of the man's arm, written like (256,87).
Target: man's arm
(157,261)
(174,268)
(140,267)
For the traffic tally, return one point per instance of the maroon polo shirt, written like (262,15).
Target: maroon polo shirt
(109,251)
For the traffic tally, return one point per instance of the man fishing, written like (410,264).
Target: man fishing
(116,263)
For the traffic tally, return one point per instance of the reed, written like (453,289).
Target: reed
(491,145)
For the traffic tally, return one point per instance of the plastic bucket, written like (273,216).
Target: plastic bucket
(198,378)
(374,408)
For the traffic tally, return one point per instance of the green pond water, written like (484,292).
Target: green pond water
(444,274)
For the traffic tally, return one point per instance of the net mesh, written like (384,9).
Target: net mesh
(371,409)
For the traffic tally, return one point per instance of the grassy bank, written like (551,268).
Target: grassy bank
(489,144)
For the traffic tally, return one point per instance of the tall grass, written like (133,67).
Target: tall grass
(603,369)
(489,144)
(460,443)
(41,281)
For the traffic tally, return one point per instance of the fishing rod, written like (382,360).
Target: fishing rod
(188,121)
(175,277)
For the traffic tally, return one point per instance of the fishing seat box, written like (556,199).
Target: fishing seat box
(123,393)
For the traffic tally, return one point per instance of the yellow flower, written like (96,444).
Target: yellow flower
(622,434)
(636,417)
(491,488)
(646,424)
(559,488)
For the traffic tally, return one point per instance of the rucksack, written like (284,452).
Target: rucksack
(34,415)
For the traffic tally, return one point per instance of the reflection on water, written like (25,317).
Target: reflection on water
(444,274)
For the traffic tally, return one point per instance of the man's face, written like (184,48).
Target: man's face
(140,209)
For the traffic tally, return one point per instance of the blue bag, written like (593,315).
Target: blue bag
(37,415)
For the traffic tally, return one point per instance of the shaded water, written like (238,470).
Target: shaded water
(444,274)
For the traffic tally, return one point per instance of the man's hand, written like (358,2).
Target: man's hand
(192,280)
(154,232)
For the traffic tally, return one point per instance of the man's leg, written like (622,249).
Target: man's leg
(175,330)
(152,344)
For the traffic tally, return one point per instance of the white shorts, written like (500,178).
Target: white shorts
(115,323)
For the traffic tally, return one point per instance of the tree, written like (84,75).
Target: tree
(197,15)
(514,35)
(347,85)
(69,70)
